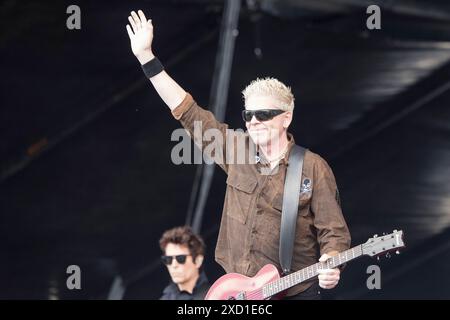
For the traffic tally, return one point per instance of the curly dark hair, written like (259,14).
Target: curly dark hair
(183,236)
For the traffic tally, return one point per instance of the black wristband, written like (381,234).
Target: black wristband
(152,68)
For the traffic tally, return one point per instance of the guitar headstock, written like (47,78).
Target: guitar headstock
(379,245)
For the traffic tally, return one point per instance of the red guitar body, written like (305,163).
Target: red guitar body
(232,285)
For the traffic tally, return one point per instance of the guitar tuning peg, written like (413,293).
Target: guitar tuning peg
(378,258)
(397,252)
(375,235)
(384,233)
(395,230)
(388,255)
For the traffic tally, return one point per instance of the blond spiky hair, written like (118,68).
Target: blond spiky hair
(273,88)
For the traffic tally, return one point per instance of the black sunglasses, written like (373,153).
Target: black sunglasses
(181,259)
(261,115)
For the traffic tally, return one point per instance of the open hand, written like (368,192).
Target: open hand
(141,36)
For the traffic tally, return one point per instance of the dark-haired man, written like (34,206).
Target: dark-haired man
(183,253)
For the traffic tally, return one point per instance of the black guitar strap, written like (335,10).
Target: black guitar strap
(289,212)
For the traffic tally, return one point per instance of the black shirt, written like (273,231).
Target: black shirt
(172,292)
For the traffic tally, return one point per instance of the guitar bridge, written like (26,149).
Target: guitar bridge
(240,296)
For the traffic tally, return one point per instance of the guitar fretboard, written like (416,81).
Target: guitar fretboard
(274,287)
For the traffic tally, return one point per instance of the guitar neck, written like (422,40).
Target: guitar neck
(274,287)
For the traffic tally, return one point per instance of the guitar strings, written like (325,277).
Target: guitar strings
(254,293)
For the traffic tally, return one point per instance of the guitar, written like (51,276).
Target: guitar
(268,283)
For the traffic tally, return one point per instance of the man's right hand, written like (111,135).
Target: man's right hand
(141,36)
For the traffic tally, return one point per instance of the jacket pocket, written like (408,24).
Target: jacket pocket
(240,189)
(304,200)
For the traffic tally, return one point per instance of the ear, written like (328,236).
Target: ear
(199,261)
(287,119)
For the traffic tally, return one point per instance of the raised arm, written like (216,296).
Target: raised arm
(202,125)
(141,38)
